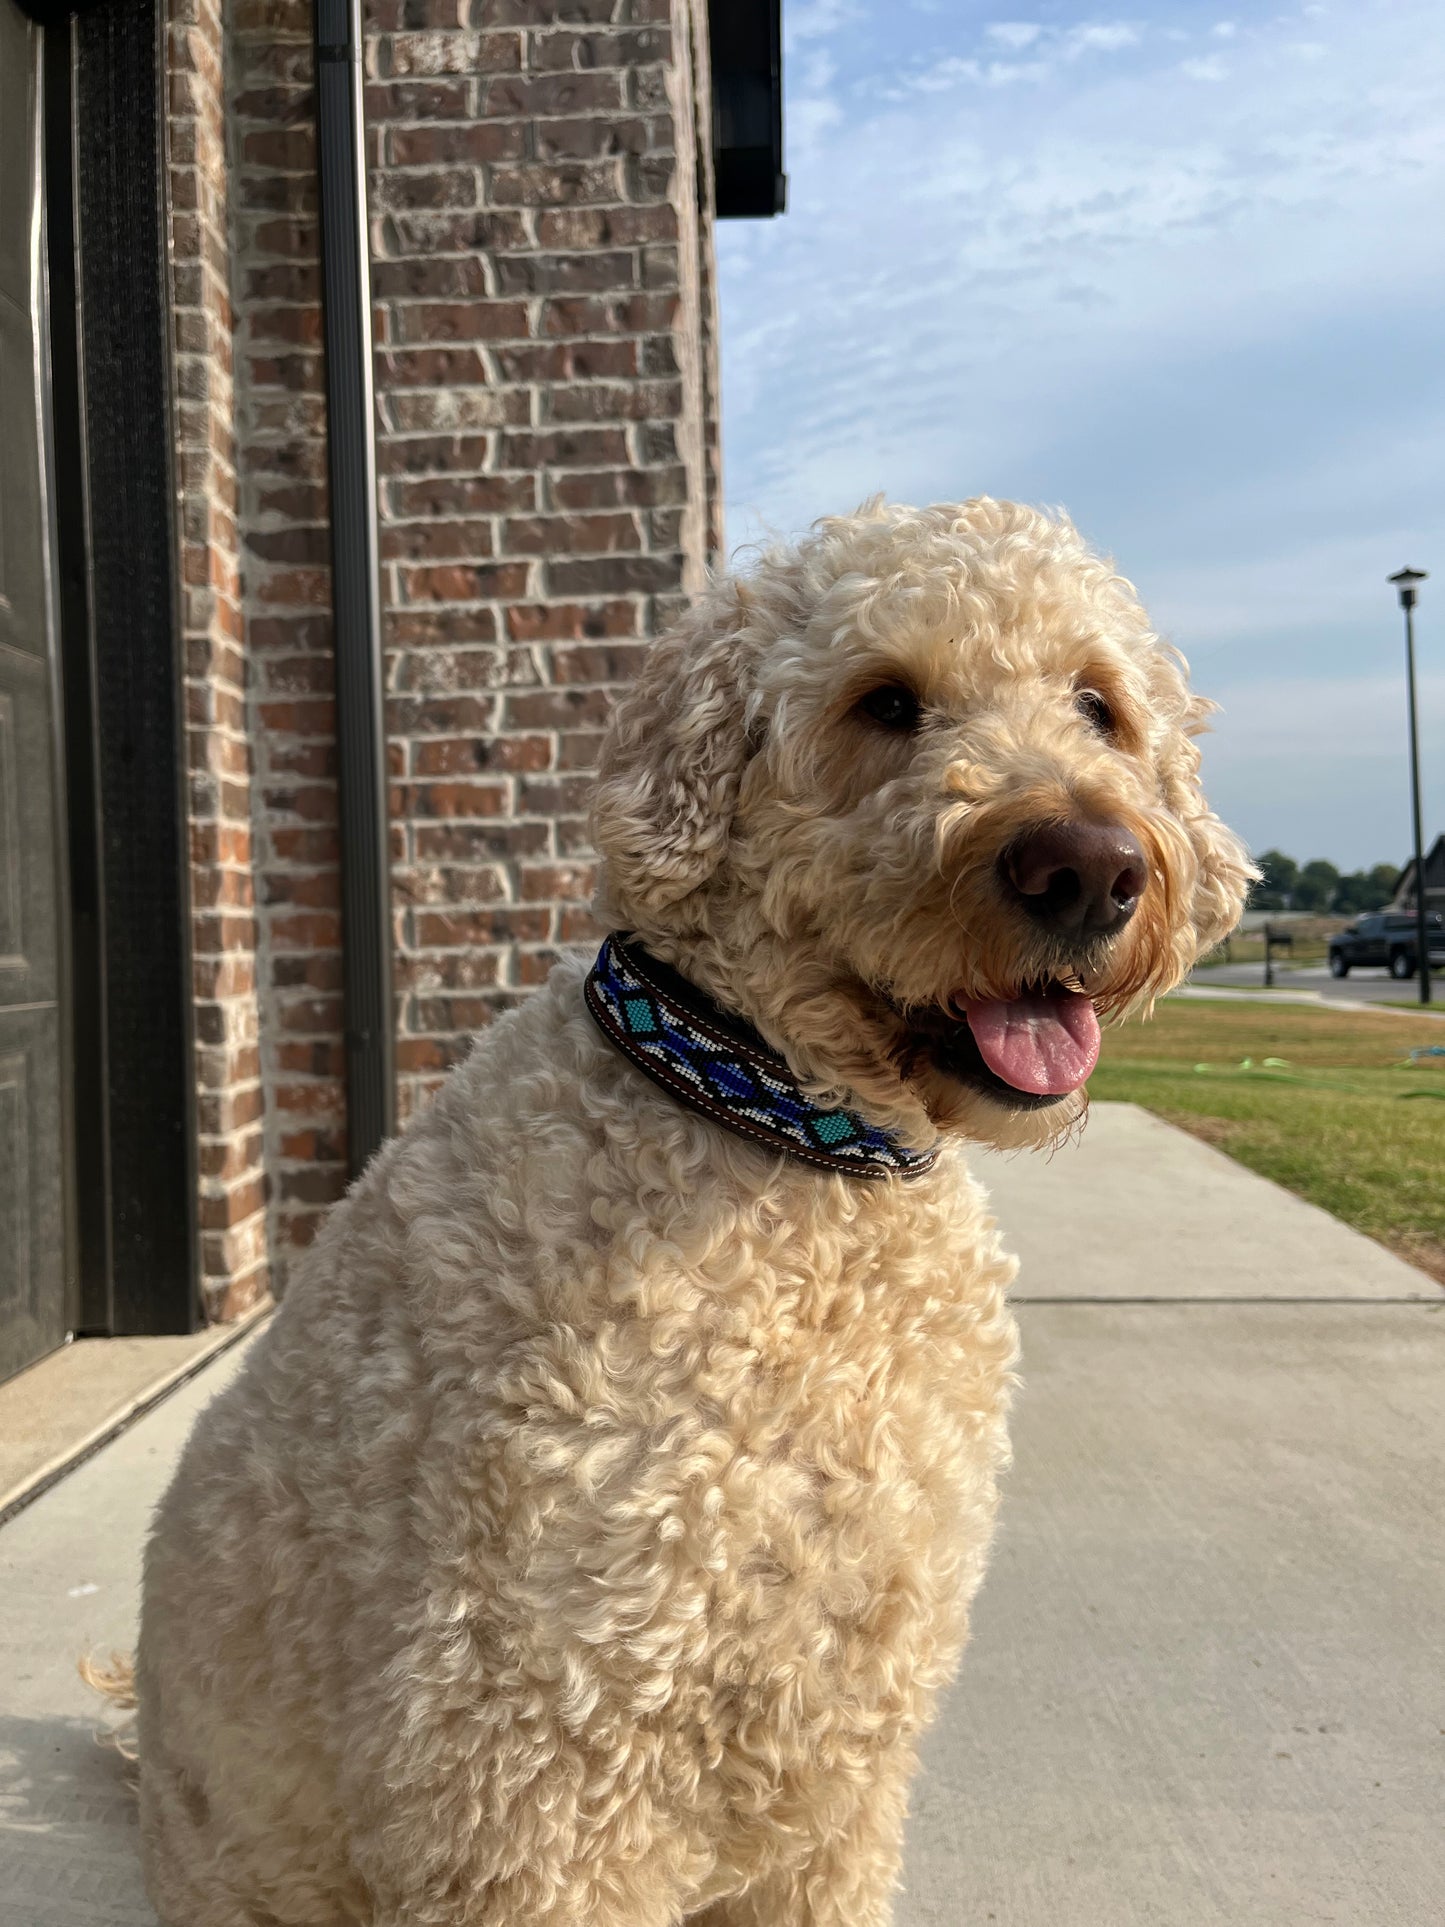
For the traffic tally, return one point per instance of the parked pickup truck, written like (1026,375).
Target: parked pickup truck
(1386,937)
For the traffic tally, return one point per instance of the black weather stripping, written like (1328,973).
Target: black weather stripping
(356,614)
(745,51)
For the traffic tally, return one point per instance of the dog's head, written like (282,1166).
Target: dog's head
(920,797)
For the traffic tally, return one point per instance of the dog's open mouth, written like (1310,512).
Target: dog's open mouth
(1030,1049)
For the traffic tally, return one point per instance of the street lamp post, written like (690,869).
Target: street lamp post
(1405,582)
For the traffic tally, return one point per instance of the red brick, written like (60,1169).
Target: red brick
(461,231)
(594,663)
(441,279)
(566,882)
(433,321)
(417,801)
(455,53)
(462,495)
(565,448)
(390,16)
(455,583)
(557,798)
(476,141)
(570,534)
(413,100)
(533,96)
(642,487)
(555,184)
(613,575)
(412,716)
(604,227)
(560,52)
(556,621)
(578,925)
(430,190)
(453,1013)
(435,540)
(576,273)
(460,756)
(468,842)
(592,137)
(566,360)
(434,455)
(450,928)
(567,708)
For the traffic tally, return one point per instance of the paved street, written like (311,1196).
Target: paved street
(1360,987)
(1207,1683)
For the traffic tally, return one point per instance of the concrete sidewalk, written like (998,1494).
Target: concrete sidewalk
(1207,1679)
(69,1585)
(1207,1683)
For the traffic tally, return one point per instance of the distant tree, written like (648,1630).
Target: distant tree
(1366,889)
(1315,886)
(1354,894)
(1278,876)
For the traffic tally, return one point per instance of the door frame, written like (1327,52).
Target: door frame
(121,659)
(36,372)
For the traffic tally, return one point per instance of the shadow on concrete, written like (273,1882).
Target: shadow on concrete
(69,1832)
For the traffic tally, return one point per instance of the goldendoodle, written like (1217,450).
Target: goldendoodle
(586,1541)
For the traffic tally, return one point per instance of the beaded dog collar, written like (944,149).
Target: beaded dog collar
(719,1066)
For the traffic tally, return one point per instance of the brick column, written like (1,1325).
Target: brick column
(545,382)
(546,389)
(287,583)
(235,1265)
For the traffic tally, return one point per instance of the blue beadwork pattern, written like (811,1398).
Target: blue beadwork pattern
(722,1068)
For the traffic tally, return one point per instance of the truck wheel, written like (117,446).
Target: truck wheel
(1400,965)
(1338,966)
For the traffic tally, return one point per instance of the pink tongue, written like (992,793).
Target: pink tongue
(1042,1044)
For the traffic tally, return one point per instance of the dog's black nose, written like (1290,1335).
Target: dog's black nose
(1077,879)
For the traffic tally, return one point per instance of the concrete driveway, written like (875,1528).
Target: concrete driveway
(1207,1683)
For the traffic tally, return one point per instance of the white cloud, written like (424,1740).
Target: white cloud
(1210,68)
(945,74)
(1224,30)
(1016,34)
(1047,46)
(1006,73)
(815,21)
(1099,39)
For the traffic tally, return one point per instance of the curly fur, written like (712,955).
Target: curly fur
(589,1536)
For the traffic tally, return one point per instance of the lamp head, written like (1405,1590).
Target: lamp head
(1405,580)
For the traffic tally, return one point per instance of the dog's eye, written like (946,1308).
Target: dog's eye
(893,706)
(1095,711)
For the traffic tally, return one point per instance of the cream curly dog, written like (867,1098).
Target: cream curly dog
(587,1540)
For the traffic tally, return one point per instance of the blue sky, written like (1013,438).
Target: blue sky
(1180,271)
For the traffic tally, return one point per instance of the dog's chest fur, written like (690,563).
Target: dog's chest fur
(726,1430)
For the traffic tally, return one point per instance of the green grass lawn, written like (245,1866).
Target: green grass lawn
(1342,1117)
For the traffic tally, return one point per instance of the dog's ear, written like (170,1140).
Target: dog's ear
(673,760)
(1223,870)
(1224,876)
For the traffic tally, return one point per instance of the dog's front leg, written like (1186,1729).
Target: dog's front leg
(519,1823)
(850,1877)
